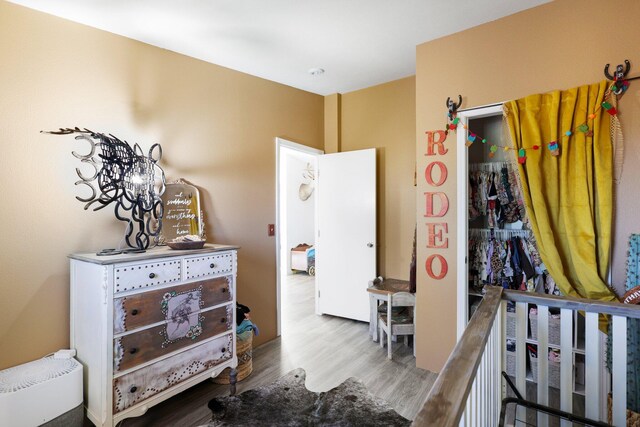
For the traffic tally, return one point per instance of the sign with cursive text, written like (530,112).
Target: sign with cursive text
(181,211)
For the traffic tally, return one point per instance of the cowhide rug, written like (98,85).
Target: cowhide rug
(287,402)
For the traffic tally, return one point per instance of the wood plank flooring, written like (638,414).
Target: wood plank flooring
(330,349)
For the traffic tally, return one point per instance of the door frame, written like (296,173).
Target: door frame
(462,176)
(280,144)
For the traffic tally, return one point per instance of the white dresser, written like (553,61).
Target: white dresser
(147,326)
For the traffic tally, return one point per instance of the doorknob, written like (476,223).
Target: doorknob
(369,245)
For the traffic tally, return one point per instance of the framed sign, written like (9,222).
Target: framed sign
(182,211)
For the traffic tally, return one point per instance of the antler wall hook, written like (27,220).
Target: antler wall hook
(453,107)
(618,78)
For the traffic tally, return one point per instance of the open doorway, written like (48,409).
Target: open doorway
(296,226)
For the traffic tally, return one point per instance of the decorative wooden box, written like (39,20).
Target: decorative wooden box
(147,326)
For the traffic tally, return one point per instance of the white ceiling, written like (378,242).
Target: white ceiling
(359,43)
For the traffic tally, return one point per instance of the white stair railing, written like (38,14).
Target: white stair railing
(469,390)
(596,384)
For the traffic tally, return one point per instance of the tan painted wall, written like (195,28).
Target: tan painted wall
(383,117)
(216,127)
(559,45)
(332,120)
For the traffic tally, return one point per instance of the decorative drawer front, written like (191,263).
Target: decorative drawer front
(209,265)
(135,311)
(136,276)
(181,331)
(139,385)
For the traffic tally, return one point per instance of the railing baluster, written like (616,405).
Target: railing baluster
(592,366)
(566,362)
(543,362)
(480,388)
(497,382)
(492,373)
(477,422)
(485,386)
(470,418)
(474,403)
(521,353)
(503,347)
(619,362)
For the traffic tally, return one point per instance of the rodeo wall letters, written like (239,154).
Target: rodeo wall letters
(436,204)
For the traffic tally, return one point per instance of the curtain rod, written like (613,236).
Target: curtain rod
(502,103)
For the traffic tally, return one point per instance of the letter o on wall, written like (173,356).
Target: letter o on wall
(444,267)
(428,174)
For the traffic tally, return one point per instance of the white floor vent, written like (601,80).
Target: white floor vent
(38,392)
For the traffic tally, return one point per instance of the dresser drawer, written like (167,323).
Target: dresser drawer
(136,276)
(181,331)
(145,382)
(208,265)
(138,310)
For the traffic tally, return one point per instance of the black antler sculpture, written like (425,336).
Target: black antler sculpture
(126,177)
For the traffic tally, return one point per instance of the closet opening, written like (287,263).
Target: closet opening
(499,249)
(485,121)
(497,245)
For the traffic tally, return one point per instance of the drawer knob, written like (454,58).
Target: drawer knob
(134,312)
(133,350)
(223,319)
(212,265)
(224,290)
(152,275)
(133,389)
(223,349)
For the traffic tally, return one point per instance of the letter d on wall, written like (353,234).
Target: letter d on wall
(444,204)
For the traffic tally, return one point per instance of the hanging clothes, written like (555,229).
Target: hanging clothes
(506,258)
(499,256)
(494,194)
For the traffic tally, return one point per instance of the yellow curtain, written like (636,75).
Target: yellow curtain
(568,198)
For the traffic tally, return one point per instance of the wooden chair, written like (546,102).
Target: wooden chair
(395,325)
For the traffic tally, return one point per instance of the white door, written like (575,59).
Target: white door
(346,244)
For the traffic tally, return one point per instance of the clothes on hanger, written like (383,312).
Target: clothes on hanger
(507,258)
(494,192)
(500,257)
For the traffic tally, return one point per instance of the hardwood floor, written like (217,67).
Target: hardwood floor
(330,349)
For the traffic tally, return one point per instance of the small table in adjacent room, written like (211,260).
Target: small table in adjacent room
(379,292)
